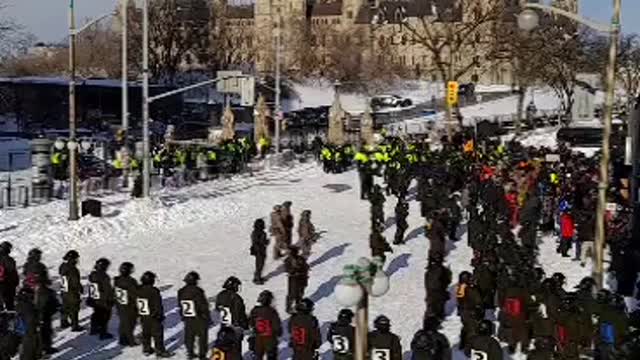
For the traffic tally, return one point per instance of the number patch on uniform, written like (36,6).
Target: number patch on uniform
(479,355)
(94,291)
(380,354)
(188,308)
(143,307)
(225,315)
(122,296)
(263,327)
(64,284)
(217,354)
(340,344)
(299,335)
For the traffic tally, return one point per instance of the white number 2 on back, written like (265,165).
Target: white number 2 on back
(94,291)
(225,315)
(479,355)
(380,354)
(143,307)
(188,308)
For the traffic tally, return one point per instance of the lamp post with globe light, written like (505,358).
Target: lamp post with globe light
(529,20)
(360,280)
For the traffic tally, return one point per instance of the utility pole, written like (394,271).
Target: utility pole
(125,91)
(277,100)
(73,159)
(598,270)
(146,166)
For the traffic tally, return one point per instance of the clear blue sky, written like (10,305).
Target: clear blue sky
(47,19)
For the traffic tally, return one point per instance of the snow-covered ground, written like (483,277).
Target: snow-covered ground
(206,228)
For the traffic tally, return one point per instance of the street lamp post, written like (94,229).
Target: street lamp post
(73,159)
(146,165)
(73,164)
(528,20)
(360,280)
(278,45)
(125,90)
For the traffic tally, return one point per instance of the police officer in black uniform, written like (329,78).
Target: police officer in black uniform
(259,243)
(100,299)
(125,288)
(266,328)
(437,280)
(26,308)
(224,347)
(484,346)
(231,308)
(305,332)
(298,270)
(428,343)
(9,279)
(151,313)
(71,291)
(194,309)
(342,335)
(383,344)
(47,306)
(33,267)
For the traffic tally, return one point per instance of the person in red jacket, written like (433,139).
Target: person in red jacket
(567,232)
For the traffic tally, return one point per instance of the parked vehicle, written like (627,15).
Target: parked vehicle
(389,101)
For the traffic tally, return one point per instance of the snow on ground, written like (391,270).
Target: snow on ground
(206,228)
(314,94)
(545,99)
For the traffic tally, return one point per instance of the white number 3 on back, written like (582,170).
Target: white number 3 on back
(381,354)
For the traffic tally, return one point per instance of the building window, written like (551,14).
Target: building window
(349,14)
(403,40)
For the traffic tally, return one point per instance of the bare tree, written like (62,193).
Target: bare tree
(230,45)
(628,69)
(451,31)
(14,41)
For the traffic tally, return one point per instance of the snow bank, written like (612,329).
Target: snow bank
(321,93)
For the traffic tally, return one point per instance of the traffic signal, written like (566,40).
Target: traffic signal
(452,93)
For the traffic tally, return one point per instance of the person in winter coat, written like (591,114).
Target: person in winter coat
(402,212)
(231,308)
(278,232)
(429,344)
(9,279)
(342,335)
(485,278)
(586,229)
(513,315)
(437,234)
(33,267)
(31,348)
(151,313)
(437,279)
(484,346)
(613,325)
(266,327)
(298,277)
(47,306)
(305,332)
(567,232)
(383,344)
(225,347)
(71,290)
(567,333)
(378,244)
(125,289)
(101,298)
(194,310)
(306,233)
(259,243)
(287,222)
